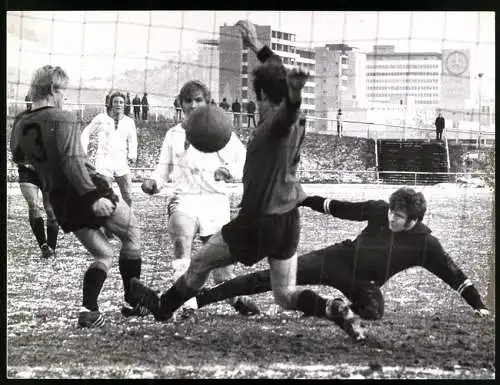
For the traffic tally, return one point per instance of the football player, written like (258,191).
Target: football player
(116,144)
(30,185)
(395,239)
(268,223)
(200,202)
(49,139)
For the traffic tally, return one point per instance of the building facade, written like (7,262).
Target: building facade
(208,65)
(405,78)
(340,84)
(237,65)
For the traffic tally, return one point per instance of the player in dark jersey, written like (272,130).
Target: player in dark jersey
(49,139)
(267,224)
(395,239)
(31,186)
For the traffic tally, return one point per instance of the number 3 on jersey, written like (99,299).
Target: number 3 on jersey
(33,145)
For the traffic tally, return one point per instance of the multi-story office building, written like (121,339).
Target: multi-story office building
(237,64)
(405,78)
(208,65)
(340,83)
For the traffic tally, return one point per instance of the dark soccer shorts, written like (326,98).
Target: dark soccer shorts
(253,237)
(72,213)
(27,175)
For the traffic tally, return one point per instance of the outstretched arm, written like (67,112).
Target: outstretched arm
(354,211)
(439,263)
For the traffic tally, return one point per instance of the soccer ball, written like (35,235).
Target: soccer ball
(208,128)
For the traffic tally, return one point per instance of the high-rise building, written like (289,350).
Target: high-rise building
(208,65)
(340,82)
(405,78)
(237,64)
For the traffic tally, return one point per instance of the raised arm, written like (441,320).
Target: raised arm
(354,211)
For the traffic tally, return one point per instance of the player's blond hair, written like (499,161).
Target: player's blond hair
(45,80)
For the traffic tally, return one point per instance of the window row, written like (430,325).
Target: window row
(402,88)
(382,81)
(408,73)
(403,66)
(283,35)
(282,47)
(385,94)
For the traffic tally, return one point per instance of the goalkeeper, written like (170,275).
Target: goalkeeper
(48,138)
(395,239)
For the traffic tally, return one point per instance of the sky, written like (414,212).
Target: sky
(86,42)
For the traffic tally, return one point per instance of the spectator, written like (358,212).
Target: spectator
(145,107)
(106,103)
(339,123)
(127,105)
(439,123)
(236,108)
(224,104)
(27,99)
(137,107)
(251,112)
(178,110)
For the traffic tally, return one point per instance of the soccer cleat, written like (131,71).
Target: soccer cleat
(47,251)
(245,306)
(136,311)
(339,312)
(148,298)
(90,319)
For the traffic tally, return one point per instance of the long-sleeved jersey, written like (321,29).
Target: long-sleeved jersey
(115,145)
(192,171)
(49,139)
(270,185)
(378,253)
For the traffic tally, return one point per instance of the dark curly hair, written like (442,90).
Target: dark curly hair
(270,78)
(116,94)
(411,202)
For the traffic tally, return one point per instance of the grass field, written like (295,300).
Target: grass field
(427,331)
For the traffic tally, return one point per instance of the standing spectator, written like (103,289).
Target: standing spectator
(27,99)
(178,110)
(127,105)
(339,123)
(107,102)
(137,107)
(224,104)
(251,112)
(116,146)
(439,123)
(236,108)
(145,106)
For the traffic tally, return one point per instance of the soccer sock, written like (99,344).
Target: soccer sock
(174,297)
(129,268)
(52,231)
(311,303)
(258,282)
(92,284)
(38,228)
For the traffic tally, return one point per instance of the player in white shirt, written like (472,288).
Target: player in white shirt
(200,202)
(116,144)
